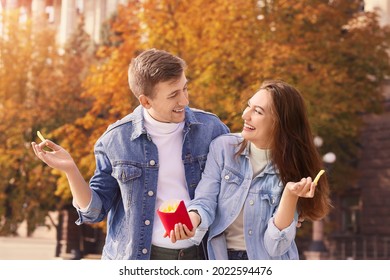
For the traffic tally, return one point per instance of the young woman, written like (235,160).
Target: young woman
(256,184)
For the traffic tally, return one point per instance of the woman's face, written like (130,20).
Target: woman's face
(259,120)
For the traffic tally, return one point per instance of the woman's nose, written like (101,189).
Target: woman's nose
(245,114)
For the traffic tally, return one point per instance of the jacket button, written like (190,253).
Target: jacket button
(152,162)
(250,232)
(144,251)
(147,222)
(251,202)
(150,193)
(227,177)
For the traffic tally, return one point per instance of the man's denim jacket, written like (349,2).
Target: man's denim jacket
(124,185)
(227,188)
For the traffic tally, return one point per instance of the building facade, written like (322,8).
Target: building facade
(64,15)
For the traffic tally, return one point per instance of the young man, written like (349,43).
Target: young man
(155,153)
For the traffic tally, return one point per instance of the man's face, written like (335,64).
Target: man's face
(170,99)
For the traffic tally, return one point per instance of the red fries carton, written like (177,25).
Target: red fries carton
(173,212)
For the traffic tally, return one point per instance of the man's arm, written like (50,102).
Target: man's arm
(59,158)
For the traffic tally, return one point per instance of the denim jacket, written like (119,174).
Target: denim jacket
(124,184)
(227,187)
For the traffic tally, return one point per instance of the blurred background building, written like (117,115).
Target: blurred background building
(361,213)
(64,15)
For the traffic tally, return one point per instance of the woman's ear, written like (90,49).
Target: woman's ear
(144,101)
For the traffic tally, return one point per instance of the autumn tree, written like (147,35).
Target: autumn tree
(21,55)
(40,90)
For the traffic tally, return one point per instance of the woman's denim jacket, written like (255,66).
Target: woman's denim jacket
(227,187)
(124,185)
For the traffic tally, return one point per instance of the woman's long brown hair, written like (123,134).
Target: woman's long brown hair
(293,151)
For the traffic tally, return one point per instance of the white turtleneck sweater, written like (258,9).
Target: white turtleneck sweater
(235,232)
(171,184)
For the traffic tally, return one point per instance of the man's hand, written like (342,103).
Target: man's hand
(57,158)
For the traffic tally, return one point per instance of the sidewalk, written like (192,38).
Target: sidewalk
(27,248)
(41,246)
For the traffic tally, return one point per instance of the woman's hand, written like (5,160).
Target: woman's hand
(304,188)
(182,232)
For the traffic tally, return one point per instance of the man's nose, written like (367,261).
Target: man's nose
(183,99)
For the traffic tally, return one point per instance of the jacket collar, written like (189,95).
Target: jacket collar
(270,168)
(139,122)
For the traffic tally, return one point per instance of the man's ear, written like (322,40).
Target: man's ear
(144,101)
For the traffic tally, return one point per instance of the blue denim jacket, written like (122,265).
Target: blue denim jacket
(225,188)
(124,185)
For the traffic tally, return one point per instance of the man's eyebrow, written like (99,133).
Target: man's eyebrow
(174,92)
(174,81)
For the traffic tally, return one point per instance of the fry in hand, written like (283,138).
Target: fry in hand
(318,176)
(40,136)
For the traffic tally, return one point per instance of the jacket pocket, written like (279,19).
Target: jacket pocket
(127,175)
(125,172)
(230,183)
(269,203)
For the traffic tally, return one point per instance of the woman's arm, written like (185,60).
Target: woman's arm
(288,203)
(206,199)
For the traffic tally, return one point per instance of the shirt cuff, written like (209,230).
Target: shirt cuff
(287,233)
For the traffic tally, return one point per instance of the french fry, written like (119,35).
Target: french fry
(40,136)
(172,212)
(169,206)
(318,176)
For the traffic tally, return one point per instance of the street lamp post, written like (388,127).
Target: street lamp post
(317,249)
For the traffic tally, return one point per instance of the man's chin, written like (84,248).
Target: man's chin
(178,118)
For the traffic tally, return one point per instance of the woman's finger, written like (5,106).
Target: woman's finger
(312,189)
(172,236)
(188,232)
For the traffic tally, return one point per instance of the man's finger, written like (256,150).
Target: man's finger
(50,144)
